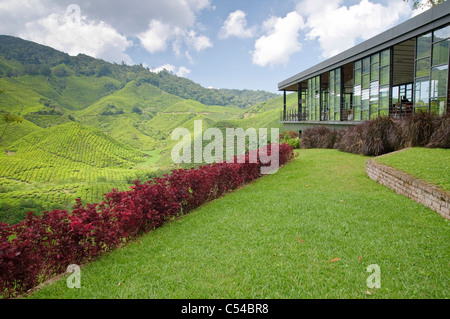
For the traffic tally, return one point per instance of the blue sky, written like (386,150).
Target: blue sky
(246,44)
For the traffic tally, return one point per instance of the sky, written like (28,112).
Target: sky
(233,44)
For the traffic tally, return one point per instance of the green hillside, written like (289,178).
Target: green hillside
(90,126)
(20,57)
(262,115)
(53,166)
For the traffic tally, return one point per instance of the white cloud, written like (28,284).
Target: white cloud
(198,43)
(236,25)
(182,71)
(106,26)
(338,27)
(156,38)
(73,34)
(133,16)
(14,14)
(280,42)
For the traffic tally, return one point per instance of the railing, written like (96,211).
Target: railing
(395,111)
(401,110)
(293,116)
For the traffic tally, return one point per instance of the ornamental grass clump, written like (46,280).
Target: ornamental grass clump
(383,135)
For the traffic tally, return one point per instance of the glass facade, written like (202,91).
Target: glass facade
(371,81)
(313,99)
(380,85)
(431,71)
(335,95)
(439,71)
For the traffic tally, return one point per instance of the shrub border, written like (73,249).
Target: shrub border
(405,184)
(41,246)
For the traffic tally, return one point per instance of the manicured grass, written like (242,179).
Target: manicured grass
(429,164)
(277,237)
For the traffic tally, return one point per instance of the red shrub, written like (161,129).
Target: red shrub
(42,246)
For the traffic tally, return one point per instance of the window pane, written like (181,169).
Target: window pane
(384,113)
(437,106)
(358,64)
(337,88)
(365,94)
(374,71)
(357,113)
(421,109)
(374,58)
(440,53)
(384,97)
(331,85)
(374,91)
(409,91)
(331,97)
(441,34)
(337,109)
(337,75)
(373,111)
(423,67)
(422,92)
(385,57)
(357,76)
(366,81)
(423,46)
(366,65)
(439,81)
(365,115)
(395,94)
(357,90)
(384,75)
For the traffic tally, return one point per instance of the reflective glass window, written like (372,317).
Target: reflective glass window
(375,58)
(384,75)
(374,71)
(357,79)
(421,96)
(385,57)
(423,67)
(441,34)
(440,53)
(374,86)
(366,65)
(365,81)
(439,81)
(384,97)
(423,46)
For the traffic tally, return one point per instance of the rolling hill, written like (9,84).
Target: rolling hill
(90,126)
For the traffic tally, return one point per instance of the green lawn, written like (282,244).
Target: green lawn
(430,164)
(277,237)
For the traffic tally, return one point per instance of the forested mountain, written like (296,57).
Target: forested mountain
(85,126)
(20,57)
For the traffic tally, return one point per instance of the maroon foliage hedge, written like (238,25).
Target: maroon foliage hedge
(42,246)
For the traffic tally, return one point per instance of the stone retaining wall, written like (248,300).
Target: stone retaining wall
(407,185)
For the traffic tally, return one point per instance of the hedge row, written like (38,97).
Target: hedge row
(42,246)
(383,135)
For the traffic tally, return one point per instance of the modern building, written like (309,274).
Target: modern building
(396,73)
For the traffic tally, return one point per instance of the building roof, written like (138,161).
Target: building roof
(431,19)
